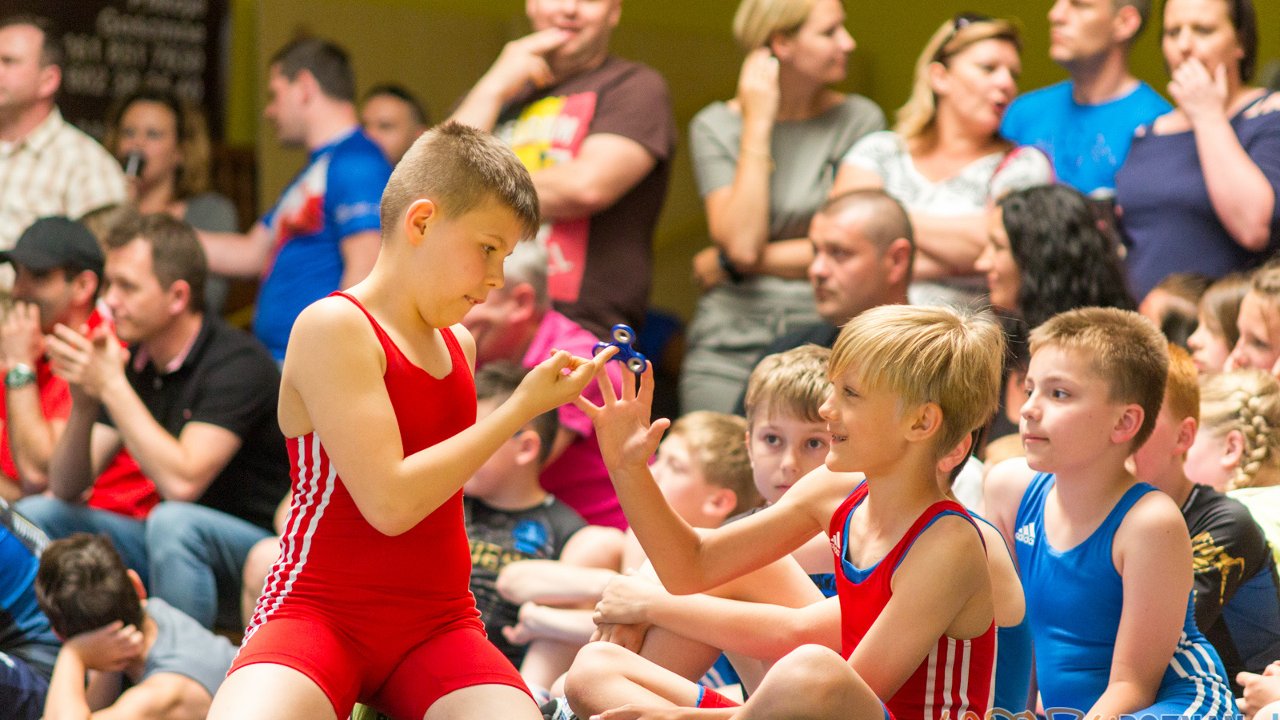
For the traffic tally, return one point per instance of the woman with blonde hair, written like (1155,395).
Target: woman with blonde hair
(1237,449)
(764,161)
(945,159)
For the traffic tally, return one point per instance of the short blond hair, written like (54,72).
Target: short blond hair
(1182,389)
(942,355)
(756,22)
(460,168)
(917,120)
(1125,350)
(793,383)
(717,443)
(1247,401)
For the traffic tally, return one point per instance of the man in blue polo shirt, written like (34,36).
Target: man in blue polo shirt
(1085,124)
(323,233)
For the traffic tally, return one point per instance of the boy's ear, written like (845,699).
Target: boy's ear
(528,447)
(417,219)
(720,503)
(956,455)
(1128,424)
(926,420)
(137,584)
(1186,436)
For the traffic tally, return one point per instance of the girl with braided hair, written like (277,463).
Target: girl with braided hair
(1238,447)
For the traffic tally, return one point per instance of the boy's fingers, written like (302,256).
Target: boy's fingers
(656,429)
(645,393)
(587,407)
(606,387)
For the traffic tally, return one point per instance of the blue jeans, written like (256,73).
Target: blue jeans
(58,519)
(197,559)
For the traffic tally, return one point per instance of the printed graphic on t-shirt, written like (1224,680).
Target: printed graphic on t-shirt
(548,133)
(301,209)
(1207,556)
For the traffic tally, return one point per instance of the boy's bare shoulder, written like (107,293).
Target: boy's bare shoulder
(1007,480)
(327,314)
(1154,512)
(951,541)
(314,338)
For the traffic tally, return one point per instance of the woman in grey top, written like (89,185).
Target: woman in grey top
(171,140)
(764,163)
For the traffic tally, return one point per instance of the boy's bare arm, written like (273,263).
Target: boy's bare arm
(685,560)
(552,582)
(719,621)
(342,397)
(1152,552)
(942,574)
(1002,491)
(539,622)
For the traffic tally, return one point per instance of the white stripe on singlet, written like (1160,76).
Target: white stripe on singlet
(966,654)
(310,462)
(931,679)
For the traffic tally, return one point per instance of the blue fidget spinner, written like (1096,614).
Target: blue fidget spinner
(623,336)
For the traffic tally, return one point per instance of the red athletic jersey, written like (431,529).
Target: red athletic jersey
(335,564)
(957,677)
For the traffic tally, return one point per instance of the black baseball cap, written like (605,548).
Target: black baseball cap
(56,242)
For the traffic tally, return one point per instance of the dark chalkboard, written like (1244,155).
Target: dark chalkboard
(114,47)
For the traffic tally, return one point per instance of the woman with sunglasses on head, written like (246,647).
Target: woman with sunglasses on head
(764,162)
(945,159)
(1198,189)
(163,144)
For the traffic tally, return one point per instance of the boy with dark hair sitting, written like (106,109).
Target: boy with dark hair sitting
(509,516)
(152,661)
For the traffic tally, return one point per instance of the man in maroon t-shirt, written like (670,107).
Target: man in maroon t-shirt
(597,134)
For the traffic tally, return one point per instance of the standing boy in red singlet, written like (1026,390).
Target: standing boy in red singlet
(917,629)
(368,601)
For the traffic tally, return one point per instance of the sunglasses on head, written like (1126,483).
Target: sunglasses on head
(958,23)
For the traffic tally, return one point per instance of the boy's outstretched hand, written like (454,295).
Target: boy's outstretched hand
(626,436)
(559,379)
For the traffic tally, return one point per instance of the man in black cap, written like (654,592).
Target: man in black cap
(58,269)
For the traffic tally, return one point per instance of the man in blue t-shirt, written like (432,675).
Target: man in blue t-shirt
(1085,124)
(323,233)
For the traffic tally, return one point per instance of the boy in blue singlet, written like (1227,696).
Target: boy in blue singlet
(1105,561)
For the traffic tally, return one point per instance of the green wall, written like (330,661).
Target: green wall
(438,48)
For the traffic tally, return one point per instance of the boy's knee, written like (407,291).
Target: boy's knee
(594,662)
(809,669)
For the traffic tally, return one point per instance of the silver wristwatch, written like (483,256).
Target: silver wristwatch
(19,376)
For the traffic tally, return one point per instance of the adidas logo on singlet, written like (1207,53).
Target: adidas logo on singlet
(1026,534)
